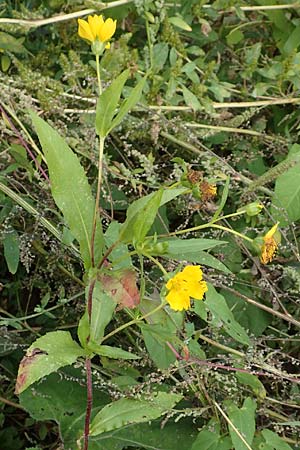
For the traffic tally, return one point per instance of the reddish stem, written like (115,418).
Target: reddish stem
(89,402)
(202,362)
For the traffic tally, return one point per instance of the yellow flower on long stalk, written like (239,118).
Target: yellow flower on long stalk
(270,245)
(97,31)
(185,284)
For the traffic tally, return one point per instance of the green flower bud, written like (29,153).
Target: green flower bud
(252,209)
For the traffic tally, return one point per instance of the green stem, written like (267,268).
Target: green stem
(97,203)
(133,322)
(150,44)
(211,225)
(98,75)
(157,263)
(229,230)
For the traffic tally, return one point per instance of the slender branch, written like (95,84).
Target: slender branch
(234,130)
(10,403)
(89,403)
(97,202)
(282,316)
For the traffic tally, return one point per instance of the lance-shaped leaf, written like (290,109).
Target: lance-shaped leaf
(103,308)
(136,208)
(70,189)
(146,217)
(47,354)
(129,103)
(108,102)
(221,313)
(128,411)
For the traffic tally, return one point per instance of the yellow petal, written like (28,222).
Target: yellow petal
(197,289)
(107,30)
(96,23)
(107,46)
(169,284)
(178,300)
(271,232)
(191,273)
(85,31)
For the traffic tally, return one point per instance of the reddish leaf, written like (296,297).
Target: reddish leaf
(121,287)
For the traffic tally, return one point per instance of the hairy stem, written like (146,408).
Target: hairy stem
(89,402)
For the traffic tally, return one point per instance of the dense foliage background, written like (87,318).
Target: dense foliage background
(220,106)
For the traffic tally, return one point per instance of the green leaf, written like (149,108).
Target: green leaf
(160,55)
(191,99)
(128,411)
(179,23)
(84,330)
(129,103)
(249,316)
(11,44)
(5,63)
(146,217)
(70,189)
(47,354)
(111,352)
(217,305)
(208,439)
(62,398)
(11,250)
(244,420)
(182,247)
(108,102)
(102,311)
(119,257)
(223,199)
(191,250)
(286,200)
(275,441)
(234,37)
(156,337)
(256,385)
(137,206)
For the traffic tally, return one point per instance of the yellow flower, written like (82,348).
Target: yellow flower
(96,29)
(185,284)
(270,245)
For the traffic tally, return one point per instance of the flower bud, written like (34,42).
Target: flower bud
(252,209)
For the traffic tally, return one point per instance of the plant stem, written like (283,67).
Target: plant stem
(209,225)
(133,322)
(93,282)
(149,44)
(229,230)
(89,402)
(97,203)
(98,74)
(159,265)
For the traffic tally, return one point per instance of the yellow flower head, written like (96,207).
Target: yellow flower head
(96,29)
(270,245)
(185,284)
(208,191)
